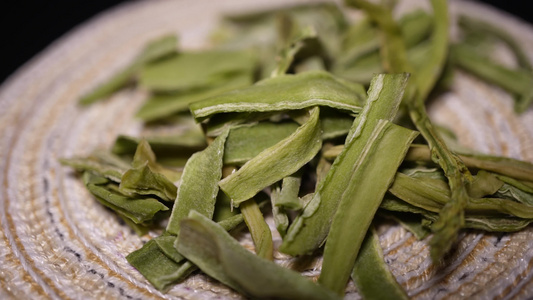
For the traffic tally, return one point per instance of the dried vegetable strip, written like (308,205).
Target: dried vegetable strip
(220,256)
(204,167)
(276,162)
(372,175)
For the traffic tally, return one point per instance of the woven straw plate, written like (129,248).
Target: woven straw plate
(57,242)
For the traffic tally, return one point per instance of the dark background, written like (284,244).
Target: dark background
(27,27)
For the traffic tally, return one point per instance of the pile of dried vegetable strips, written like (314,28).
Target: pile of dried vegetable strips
(320,122)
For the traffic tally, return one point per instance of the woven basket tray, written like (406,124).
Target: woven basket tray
(56,241)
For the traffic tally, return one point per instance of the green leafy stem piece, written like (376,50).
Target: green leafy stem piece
(220,256)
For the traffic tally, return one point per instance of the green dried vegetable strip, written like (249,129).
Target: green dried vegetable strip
(521,191)
(281,219)
(144,181)
(252,32)
(168,148)
(166,245)
(484,184)
(394,51)
(93,165)
(158,49)
(223,208)
(363,38)
(311,227)
(334,124)
(232,222)
(154,50)
(409,221)
(299,116)
(221,257)
(510,167)
(429,72)
(371,274)
(111,159)
(394,60)
(290,187)
(287,54)
(185,269)
(285,92)
(258,30)
(419,193)
(285,28)
(101,163)
(139,229)
(421,171)
(227,224)
(199,184)
(496,224)
(363,69)
(487,223)
(526,186)
(147,177)
(372,174)
(144,156)
(160,106)
(128,144)
(359,91)
(493,223)
(332,152)
(276,162)
(246,142)
(139,210)
(476,26)
(488,206)
(359,40)
(517,169)
(161,271)
(426,195)
(220,122)
(322,168)
(511,192)
(189,70)
(258,228)
(516,81)
(175,268)
(305,199)
(416,26)
(326,17)
(92,179)
(392,203)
